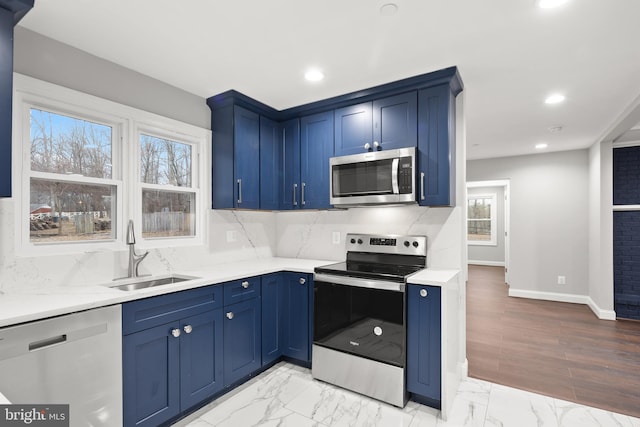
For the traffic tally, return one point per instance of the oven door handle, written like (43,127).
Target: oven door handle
(359,282)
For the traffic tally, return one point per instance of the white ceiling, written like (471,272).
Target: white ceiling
(510,54)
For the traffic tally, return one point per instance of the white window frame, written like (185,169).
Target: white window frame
(493,219)
(126,123)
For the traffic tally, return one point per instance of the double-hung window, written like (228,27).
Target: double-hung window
(481,219)
(89,165)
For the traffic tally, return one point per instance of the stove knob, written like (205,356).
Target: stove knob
(415,244)
(406,243)
(359,241)
(353,241)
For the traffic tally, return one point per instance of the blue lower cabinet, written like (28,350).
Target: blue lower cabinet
(297,287)
(424,343)
(273,316)
(200,357)
(151,376)
(242,340)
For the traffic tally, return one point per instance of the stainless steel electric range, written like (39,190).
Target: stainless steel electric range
(359,340)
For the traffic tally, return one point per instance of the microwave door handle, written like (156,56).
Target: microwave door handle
(394,175)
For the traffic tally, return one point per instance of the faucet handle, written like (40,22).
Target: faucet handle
(131,236)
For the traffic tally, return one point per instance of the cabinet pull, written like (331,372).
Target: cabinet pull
(367,146)
(175,332)
(377,145)
(302,202)
(245,284)
(423,293)
(295,190)
(421,185)
(302,281)
(230,315)
(188,329)
(239,191)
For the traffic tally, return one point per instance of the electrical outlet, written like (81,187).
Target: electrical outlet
(335,238)
(231,236)
(562,280)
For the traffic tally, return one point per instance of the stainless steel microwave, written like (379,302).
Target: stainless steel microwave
(373,178)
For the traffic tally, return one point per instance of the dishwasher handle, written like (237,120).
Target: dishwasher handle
(47,342)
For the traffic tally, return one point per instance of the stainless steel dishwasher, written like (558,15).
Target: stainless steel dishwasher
(74,359)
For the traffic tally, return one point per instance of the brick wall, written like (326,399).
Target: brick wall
(626,176)
(626,233)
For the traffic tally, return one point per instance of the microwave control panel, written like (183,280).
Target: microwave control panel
(405,175)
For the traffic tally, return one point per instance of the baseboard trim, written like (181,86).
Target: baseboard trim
(571,298)
(487,263)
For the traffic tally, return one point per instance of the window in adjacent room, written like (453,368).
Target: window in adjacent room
(481,219)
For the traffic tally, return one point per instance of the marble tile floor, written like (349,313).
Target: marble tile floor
(287,396)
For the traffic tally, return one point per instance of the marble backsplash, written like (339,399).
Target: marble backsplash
(235,235)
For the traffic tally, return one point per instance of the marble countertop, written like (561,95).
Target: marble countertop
(26,305)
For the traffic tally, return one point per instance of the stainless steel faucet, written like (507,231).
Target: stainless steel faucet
(134,259)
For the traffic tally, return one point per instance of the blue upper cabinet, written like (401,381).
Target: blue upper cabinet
(291,184)
(316,147)
(354,129)
(436,146)
(270,164)
(246,159)
(385,123)
(10,13)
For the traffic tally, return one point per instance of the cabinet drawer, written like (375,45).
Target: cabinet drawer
(241,290)
(154,311)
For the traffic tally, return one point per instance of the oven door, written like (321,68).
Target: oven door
(364,321)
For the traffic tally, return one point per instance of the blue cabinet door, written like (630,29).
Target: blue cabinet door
(151,376)
(316,147)
(436,147)
(424,342)
(353,129)
(291,186)
(270,164)
(273,317)
(246,158)
(242,340)
(296,331)
(200,357)
(6,94)
(395,121)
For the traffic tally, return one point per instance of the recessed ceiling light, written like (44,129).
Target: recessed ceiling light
(541,146)
(554,99)
(389,9)
(549,4)
(314,75)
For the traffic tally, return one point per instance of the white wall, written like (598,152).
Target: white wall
(490,254)
(549,220)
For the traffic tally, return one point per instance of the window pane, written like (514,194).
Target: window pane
(167,214)
(164,162)
(66,145)
(479,208)
(479,230)
(63,211)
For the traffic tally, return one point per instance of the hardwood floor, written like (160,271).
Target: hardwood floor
(557,349)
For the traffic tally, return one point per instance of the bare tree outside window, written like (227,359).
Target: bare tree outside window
(65,151)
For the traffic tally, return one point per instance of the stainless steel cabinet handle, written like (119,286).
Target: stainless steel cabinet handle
(245,284)
(423,293)
(421,185)
(367,146)
(302,281)
(230,315)
(239,191)
(175,332)
(295,190)
(302,202)
(188,329)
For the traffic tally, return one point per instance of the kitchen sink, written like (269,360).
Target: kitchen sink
(151,282)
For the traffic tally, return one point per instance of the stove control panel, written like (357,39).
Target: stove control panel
(390,244)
